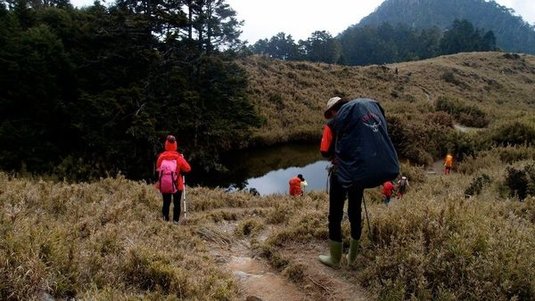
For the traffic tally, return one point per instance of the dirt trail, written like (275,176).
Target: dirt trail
(331,284)
(258,280)
(437,168)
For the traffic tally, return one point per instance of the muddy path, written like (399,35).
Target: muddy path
(304,277)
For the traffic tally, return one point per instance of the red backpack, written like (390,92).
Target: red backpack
(168,176)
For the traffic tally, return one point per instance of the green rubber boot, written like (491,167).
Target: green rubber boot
(353,250)
(333,260)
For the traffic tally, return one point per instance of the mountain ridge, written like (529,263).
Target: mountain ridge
(512,32)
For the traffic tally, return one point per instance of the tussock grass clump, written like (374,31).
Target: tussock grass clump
(249,227)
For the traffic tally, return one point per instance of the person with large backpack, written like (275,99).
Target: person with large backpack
(170,166)
(402,186)
(356,141)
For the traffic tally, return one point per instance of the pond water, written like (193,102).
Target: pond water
(276,181)
(269,169)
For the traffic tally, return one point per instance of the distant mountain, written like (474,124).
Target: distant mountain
(512,32)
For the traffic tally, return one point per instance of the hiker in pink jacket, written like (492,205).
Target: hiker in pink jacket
(171,165)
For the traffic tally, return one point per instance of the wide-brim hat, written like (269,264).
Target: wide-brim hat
(330,104)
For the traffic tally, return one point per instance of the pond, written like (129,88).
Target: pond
(269,169)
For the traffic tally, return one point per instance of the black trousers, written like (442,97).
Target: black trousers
(337,197)
(177,196)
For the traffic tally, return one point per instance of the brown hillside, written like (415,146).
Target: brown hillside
(291,95)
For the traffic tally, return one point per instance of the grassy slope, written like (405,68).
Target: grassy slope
(291,95)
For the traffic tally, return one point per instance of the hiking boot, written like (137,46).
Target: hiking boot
(176,223)
(353,251)
(333,260)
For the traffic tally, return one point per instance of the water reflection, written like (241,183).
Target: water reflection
(269,169)
(276,181)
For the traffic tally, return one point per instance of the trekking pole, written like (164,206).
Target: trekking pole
(184,198)
(367,218)
(328,168)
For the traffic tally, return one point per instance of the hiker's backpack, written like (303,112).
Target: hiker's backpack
(402,185)
(364,154)
(168,176)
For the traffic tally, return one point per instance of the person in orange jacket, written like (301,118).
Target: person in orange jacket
(181,166)
(448,164)
(296,185)
(388,191)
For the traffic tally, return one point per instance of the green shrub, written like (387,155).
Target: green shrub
(511,154)
(521,182)
(417,138)
(468,115)
(477,184)
(461,144)
(514,133)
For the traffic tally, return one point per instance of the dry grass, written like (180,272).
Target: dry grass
(105,240)
(100,241)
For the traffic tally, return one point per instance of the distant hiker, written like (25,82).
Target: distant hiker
(448,164)
(297,185)
(402,186)
(388,191)
(171,165)
(355,140)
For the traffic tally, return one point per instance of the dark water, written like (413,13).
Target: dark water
(269,169)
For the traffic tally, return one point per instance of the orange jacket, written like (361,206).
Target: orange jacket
(183,166)
(388,188)
(295,186)
(448,162)
(327,142)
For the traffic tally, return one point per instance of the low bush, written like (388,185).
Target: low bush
(477,184)
(514,133)
(417,140)
(468,115)
(521,182)
(512,154)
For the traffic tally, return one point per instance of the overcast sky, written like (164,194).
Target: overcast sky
(266,18)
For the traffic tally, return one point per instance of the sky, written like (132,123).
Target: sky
(300,18)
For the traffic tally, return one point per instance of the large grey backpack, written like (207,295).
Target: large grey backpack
(364,153)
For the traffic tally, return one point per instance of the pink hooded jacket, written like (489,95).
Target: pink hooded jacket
(171,153)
